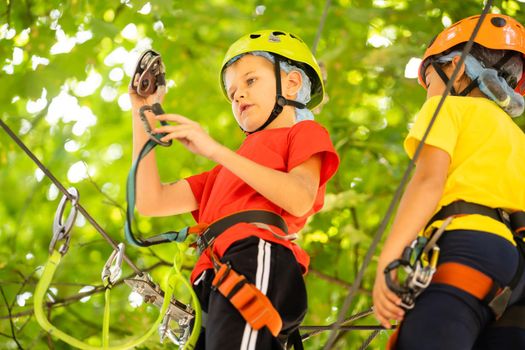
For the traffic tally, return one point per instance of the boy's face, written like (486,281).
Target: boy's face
(435,84)
(250,84)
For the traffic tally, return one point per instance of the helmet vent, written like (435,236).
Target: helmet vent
(293,36)
(278,33)
(254,36)
(498,22)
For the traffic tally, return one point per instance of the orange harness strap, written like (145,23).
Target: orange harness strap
(462,277)
(253,305)
(465,278)
(392,341)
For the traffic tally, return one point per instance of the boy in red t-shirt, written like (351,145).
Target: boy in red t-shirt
(272,81)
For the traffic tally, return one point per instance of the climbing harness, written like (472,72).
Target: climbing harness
(419,262)
(397,195)
(469,279)
(260,218)
(252,304)
(475,282)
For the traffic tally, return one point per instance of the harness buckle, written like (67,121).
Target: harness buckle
(499,303)
(203,241)
(221,275)
(61,229)
(504,216)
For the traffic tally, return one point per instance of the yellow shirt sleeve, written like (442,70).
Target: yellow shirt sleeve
(444,131)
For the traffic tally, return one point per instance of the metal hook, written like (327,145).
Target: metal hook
(113,267)
(62,229)
(156,109)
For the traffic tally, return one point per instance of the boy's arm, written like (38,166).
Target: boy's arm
(294,191)
(153,197)
(417,205)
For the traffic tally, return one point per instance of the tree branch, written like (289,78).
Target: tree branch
(335,280)
(110,200)
(10,319)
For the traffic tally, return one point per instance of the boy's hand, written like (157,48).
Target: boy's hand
(386,302)
(189,133)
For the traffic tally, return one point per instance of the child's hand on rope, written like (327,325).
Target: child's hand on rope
(189,133)
(386,302)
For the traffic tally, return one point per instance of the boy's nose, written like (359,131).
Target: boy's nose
(239,94)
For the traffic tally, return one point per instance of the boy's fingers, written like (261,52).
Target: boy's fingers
(392,297)
(171,128)
(391,303)
(381,317)
(384,310)
(174,118)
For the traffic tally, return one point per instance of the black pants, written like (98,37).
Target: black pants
(273,269)
(445,317)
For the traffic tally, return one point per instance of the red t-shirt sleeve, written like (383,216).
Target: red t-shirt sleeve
(308,138)
(198,185)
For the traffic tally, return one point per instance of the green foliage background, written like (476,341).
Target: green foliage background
(368,112)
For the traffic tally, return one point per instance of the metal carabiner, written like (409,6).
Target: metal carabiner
(62,229)
(113,267)
(165,331)
(156,109)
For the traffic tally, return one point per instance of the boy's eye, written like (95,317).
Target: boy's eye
(250,81)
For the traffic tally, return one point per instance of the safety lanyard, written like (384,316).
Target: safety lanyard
(111,272)
(40,291)
(131,188)
(173,275)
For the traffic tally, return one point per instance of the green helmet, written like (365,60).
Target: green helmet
(284,44)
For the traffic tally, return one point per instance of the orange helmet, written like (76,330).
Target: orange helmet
(498,32)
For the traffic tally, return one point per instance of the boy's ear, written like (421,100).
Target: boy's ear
(292,84)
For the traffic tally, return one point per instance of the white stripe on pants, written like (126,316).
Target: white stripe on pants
(262,278)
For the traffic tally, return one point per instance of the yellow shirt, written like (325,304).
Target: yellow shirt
(487,151)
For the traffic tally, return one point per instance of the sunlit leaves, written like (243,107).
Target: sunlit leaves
(71,109)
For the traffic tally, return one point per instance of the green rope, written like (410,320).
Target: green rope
(40,292)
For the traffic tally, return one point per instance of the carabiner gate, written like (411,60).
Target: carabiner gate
(62,229)
(113,267)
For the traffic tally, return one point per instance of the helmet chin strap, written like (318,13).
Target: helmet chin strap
(280,100)
(474,83)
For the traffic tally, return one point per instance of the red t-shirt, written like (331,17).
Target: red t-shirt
(220,193)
